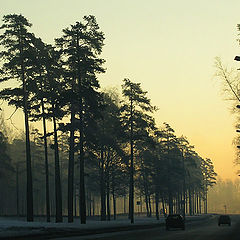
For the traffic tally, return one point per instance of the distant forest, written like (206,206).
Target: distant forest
(224,197)
(100,153)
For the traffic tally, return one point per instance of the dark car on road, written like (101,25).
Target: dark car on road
(224,219)
(175,221)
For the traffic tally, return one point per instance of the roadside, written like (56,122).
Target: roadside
(17,229)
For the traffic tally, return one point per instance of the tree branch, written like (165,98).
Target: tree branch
(10,118)
(219,65)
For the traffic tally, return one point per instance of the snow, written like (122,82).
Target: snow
(7,222)
(10,227)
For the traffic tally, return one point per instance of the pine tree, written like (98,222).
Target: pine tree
(111,138)
(134,118)
(16,56)
(47,103)
(81,46)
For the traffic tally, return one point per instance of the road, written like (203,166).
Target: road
(207,230)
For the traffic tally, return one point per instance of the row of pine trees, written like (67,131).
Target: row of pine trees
(110,144)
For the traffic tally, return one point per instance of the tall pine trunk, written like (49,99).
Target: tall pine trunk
(150,205)
(206,205)
(93,206)
(200,204)
(75,200)
(124,204)
(190,202)
(131,182)
(145,185)
(29,167)
(46,162)
(169,183)
(90,204)
(114,197)
(58,190)
(71,166)
(179,200)
(193,203)
(81,154)
(146,202)
(17,188)
(184,187)
(114,206)
(108,197)
(156,202)
(28,148)
(81,159)
(102,188)
(163,206)
(184,200)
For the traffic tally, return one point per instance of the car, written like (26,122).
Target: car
(175,221)
(224,219)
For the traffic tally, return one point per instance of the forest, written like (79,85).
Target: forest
(99,153)
(224,197)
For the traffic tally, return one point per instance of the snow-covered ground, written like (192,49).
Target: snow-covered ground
(10,227)
(8,222)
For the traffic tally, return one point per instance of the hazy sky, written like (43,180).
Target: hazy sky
(167,46)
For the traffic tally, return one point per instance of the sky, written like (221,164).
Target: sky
(167,46)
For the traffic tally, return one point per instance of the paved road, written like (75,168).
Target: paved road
(207,230)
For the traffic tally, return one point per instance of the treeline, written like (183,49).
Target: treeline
(102,146)
(224,197)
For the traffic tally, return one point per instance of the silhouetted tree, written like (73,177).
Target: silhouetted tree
(81,46)
(209,177)
(17,44)
(41,67)
(134,109)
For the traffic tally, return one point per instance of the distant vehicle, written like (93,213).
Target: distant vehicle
(224,219)
(175,221)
